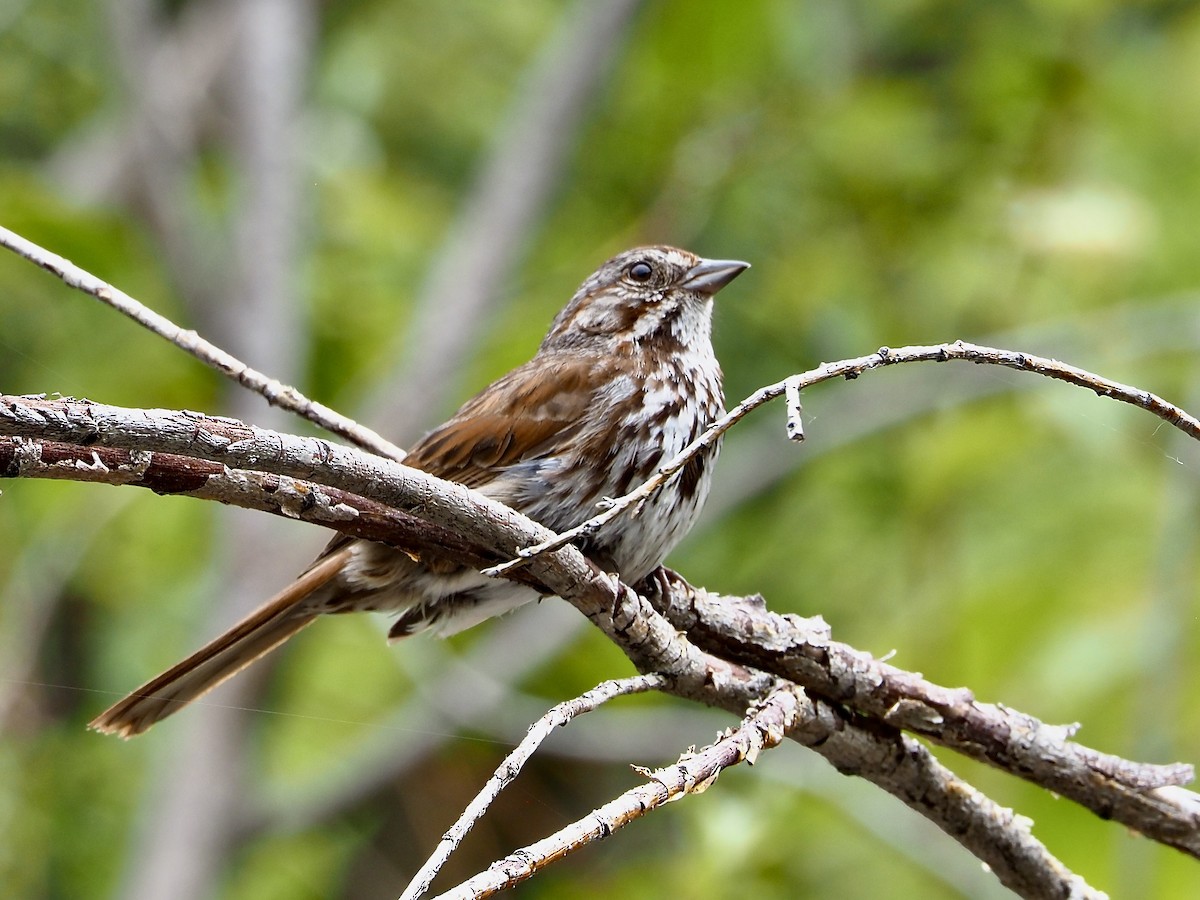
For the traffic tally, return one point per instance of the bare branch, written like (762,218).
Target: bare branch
(166,473)
(275,392)
(851,369)
(230,443)
(899,765)
(517,177)
(374,498)
(515,761)
(907,770)
(480,529)
(764,727)
(1149,328)
(743,630)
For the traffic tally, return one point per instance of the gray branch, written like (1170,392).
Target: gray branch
(380,500)
(515,181)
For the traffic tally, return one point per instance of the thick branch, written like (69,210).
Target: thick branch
(168,473)
(743,630)
(399,505)
(650,641)
(907,770)
(646,637)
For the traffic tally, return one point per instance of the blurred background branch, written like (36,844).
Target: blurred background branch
(472,269)
(249,301)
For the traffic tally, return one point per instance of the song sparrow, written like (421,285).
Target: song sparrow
(625,379)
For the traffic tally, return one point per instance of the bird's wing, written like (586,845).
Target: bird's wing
(521,416)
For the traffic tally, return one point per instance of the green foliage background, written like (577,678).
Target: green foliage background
(906,171)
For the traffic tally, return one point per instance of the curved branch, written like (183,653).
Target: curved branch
(516,179)
(851,369)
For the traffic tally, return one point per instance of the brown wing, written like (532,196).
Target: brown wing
(520,416)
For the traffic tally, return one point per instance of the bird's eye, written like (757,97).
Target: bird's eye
(640,271)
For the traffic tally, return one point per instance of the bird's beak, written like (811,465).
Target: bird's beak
(710,275)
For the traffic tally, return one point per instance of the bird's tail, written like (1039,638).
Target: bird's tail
(266,628)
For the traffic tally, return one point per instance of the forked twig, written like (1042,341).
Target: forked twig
(274,392)
(764,727)
(903,767)
(851,369)
(515,761)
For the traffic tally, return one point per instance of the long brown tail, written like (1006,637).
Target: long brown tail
(263,630)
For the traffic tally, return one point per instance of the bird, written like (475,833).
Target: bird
(624,379)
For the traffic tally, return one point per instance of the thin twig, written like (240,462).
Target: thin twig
(764,727)
(276,393)
(515,761)
(898,764)
(851,369)
(492,229)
